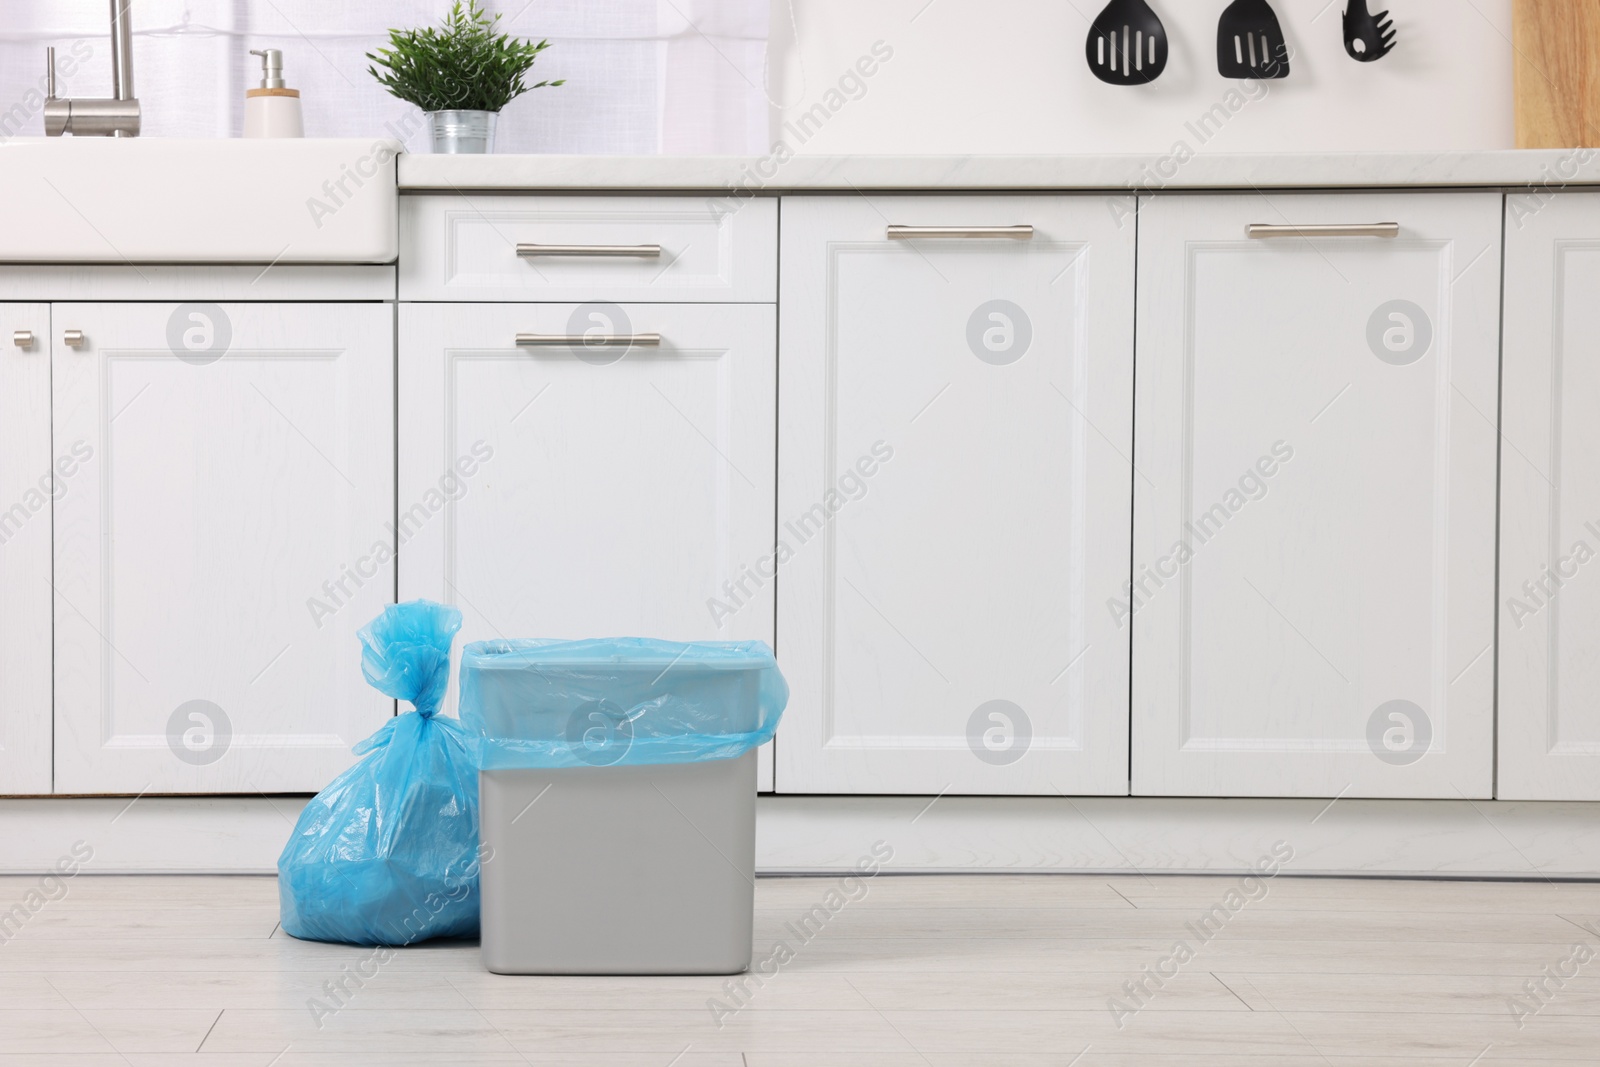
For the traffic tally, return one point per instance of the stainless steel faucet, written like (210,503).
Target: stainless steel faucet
(116,117)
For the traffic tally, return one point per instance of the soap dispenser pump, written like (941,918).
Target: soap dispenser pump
(272,110)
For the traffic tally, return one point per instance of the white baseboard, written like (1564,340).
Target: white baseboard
(148,835)
(815,834)
(1166,835)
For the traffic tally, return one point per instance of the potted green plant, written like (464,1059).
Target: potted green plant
(461,75)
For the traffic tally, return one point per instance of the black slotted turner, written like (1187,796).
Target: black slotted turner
(1250,43)
(1127,44)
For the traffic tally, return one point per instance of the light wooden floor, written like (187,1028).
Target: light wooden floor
(943,971)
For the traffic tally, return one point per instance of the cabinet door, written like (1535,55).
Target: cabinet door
(221,543)
(1550,502)
(954,498)
(554,491)
(1315,507)
(28,483)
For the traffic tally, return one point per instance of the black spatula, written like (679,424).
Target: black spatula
(1127,44)
(1250,43)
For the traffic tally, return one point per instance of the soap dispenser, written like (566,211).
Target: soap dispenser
(272,110)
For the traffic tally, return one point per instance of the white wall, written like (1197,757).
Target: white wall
(1009,76)
(643,76)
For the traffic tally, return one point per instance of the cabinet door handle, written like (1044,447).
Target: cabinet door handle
(1007,233)
(73,338)
(1260,231)
(640,251)
(23,339)
(567,340)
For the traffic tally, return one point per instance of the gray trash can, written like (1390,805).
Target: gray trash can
(612,844)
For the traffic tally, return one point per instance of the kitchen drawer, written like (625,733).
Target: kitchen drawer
(663,249)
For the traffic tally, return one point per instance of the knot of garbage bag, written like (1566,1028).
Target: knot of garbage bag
(405,652)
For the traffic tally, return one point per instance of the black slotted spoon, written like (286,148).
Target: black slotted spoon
(1250,43)
(1127,44)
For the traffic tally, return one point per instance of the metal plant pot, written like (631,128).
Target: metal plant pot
(462,132)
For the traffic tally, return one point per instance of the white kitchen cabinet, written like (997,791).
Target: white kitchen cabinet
(1550,502)
(1313,579)
(220,544)
(554,491)
(954,494)
(28,481)
(625,248)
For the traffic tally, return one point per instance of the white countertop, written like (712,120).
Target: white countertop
(1200,171)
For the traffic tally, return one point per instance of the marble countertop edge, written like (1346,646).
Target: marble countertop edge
(1533,171)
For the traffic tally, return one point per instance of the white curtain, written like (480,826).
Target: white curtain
(643,76)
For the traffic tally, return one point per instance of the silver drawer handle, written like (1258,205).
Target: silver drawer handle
(641,251)
(1009,233)
(566,340)
(73,338)
(1260,231)
(23,339)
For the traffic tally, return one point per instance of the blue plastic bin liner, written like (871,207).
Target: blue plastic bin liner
(623,701)
(387,854)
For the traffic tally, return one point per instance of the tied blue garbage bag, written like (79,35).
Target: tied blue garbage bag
(387,854)
(625,701)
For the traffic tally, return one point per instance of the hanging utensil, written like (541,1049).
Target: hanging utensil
(1250,43)
(1367,37)
(1127,44)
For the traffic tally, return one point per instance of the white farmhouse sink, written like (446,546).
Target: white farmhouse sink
(157,200)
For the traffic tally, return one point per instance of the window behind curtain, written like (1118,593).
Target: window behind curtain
(643,76)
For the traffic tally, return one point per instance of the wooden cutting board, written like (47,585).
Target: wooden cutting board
(1556,72)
